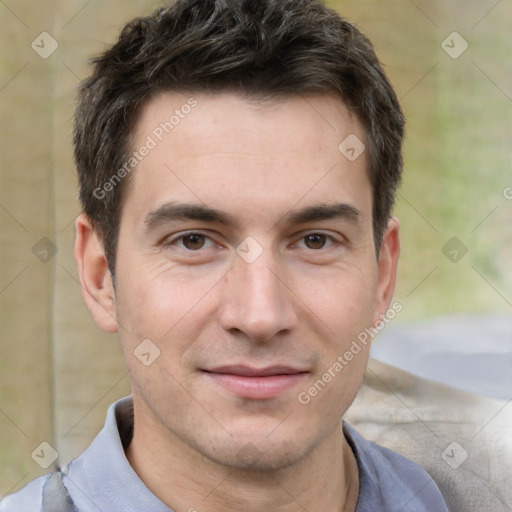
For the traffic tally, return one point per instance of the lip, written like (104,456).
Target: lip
(256,383)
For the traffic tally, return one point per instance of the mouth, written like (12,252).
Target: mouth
(256,383)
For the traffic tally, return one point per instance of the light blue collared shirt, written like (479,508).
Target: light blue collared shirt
(102,480)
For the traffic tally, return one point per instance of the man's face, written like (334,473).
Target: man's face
(246,256)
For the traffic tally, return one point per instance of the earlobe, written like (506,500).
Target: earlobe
(387,268)
(95,278)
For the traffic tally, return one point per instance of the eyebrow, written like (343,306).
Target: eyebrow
(342,211)
(173,211)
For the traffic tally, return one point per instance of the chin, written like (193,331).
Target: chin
(257,453)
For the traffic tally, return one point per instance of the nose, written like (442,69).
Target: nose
(256,300)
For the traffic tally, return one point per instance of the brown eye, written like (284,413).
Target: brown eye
(315,241)
(194,241)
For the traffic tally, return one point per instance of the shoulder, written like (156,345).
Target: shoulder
(28,499)
(91,465)
(430,423)
(389,481)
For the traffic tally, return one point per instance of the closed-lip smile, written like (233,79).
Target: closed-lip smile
(249,382)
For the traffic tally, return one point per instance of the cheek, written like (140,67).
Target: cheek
(345,306)
(157,303)
(344,301)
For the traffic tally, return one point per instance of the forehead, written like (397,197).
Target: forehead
(313,117)
(226,151)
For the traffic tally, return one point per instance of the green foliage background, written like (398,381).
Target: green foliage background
(457,152)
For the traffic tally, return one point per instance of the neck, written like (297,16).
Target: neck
(325,480)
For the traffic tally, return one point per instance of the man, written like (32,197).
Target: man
(238,162)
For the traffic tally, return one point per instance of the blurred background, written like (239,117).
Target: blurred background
(450,63)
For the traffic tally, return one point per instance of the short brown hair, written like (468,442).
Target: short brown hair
(262,49)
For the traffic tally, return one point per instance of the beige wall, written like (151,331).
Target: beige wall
(58,372)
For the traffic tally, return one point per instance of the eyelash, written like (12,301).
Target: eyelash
(168,243)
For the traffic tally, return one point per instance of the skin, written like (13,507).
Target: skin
(301,302)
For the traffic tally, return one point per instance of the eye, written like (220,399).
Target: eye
(317,241)
(191,242)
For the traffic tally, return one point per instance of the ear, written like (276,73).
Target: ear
(95,278)
(386,268)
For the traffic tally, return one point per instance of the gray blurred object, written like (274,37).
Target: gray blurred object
(472,353)
(461,439)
